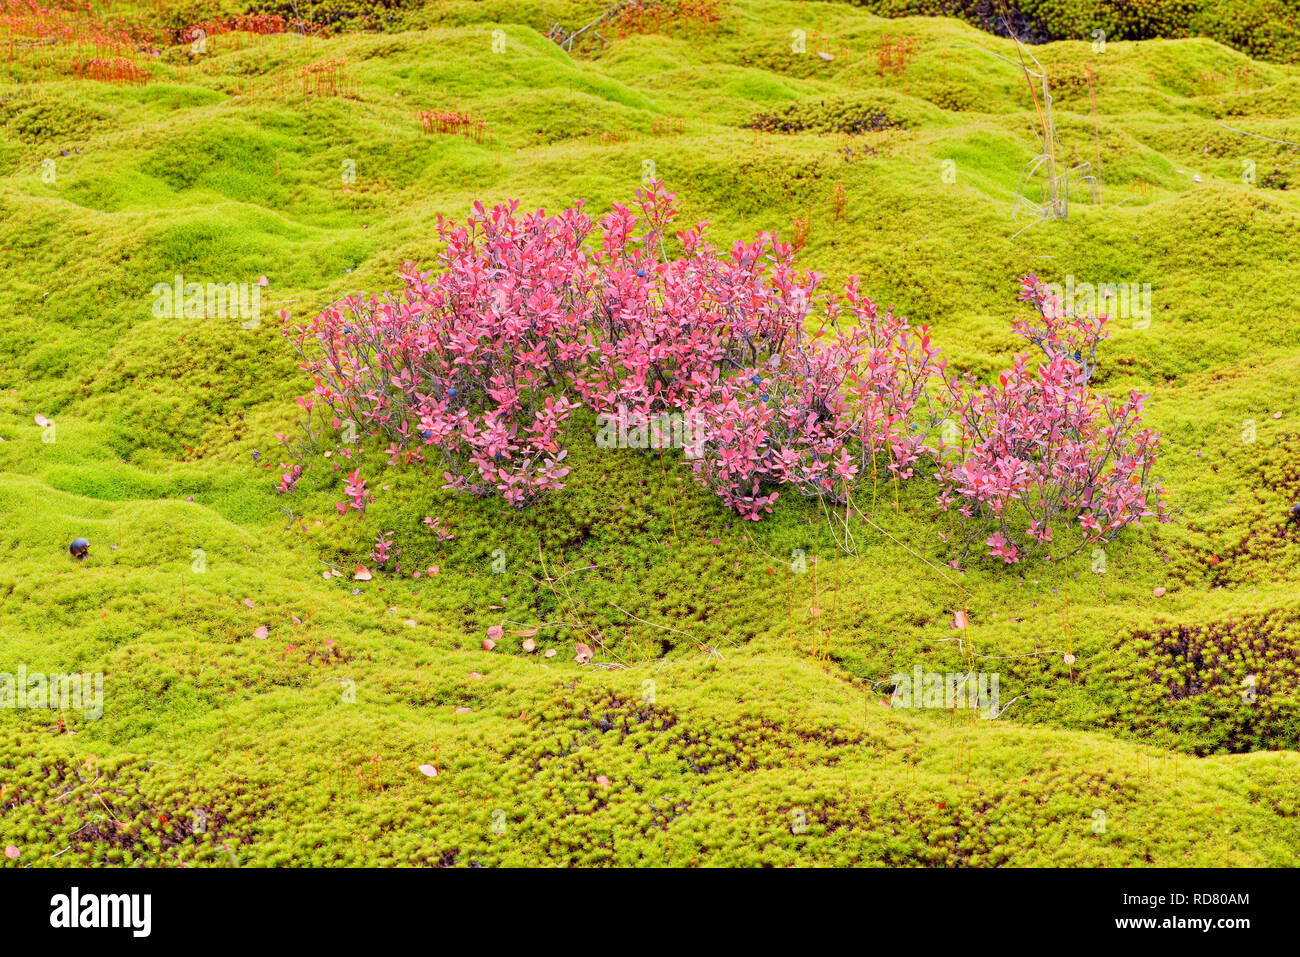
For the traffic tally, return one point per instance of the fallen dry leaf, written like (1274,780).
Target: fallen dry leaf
(12,852)
(549,653)
(529,645)
(261,631)
(583,655)
(488,644)
(428,770)
(362,574)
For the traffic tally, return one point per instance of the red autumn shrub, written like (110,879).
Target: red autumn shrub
(892,373)
(470,369)
(477,370)
(1047,466)
(665,329)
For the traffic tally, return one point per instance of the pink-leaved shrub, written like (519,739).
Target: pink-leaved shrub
(474,369)
(1048,466)
(471,370)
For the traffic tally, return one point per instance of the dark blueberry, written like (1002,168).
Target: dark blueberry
(764,396)
(79,548)
(641,273)
(452,393)
(427,433)
(757,380)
